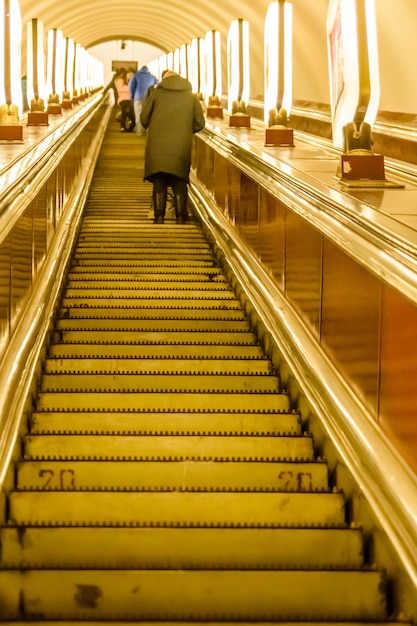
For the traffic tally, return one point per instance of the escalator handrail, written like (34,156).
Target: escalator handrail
(385,480)
(20,360)
(377,242)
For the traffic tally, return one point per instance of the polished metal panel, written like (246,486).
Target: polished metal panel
(398,388)
(40,230)
(303,269)
(5,263)
(248,223)
(233,194)
(272,214)
(21,271)
(220,180)
(351,321)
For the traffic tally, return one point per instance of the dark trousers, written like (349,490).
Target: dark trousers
(161,181)
(127,118)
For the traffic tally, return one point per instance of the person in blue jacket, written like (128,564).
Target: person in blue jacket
(138,86)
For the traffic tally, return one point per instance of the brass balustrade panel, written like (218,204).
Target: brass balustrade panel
(365,327)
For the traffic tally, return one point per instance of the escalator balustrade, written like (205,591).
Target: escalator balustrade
(165,475)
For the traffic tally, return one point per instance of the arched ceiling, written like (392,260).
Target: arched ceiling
(166,24)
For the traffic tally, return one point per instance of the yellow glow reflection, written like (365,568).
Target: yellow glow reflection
(278,57)
(55,66)
(76,77)
(69,67)
(197,63)
(238,62)
(176,66)
(11,35)
(185,61)
(36,83)
(212,65)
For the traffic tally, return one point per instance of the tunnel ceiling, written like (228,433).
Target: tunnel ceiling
(164,24)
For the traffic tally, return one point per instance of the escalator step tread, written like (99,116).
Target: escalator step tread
(184,548)
(194,595)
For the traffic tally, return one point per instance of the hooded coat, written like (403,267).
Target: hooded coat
(171,114)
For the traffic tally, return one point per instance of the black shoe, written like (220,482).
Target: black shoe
(158,220)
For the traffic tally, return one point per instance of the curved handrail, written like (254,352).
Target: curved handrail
(35,161)
(19,362)
(387,248)
(390,487)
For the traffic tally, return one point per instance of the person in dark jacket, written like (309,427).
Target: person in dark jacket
(172,113)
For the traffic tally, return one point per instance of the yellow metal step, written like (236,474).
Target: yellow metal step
(166,382)
(168,337)
(195,508)
(150,300)
(154,325)
(155,351)
(192,595)
(236,423)
(176,401)
(157,366)
(169,447)
(221,475)
(182,548)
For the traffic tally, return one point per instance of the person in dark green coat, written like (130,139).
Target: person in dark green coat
(171,113)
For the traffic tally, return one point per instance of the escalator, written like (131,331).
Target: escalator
(164,475)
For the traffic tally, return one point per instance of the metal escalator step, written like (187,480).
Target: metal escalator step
(84,279)
(194,293)
(154,247)
(216,475)
(90,422)
(140,231)
(117,264)
(193,595)
(154,325)
(155,351)
(173,508)
(317,622)
(175,273)
(157,366)
(162,401)
(150,302)
(159,447)
(168,337)
(139,284)
(141,255)
(169,382)
(77,313)
(182,548)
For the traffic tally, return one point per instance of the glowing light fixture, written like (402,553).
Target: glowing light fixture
(76,70)
(278,57)
(69,59)
(185,61)
(170,61)
(353,63)
(36,83)
(212,63)
(238,62)
(176,60)
(55,65)
(10,43)
(197,65)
